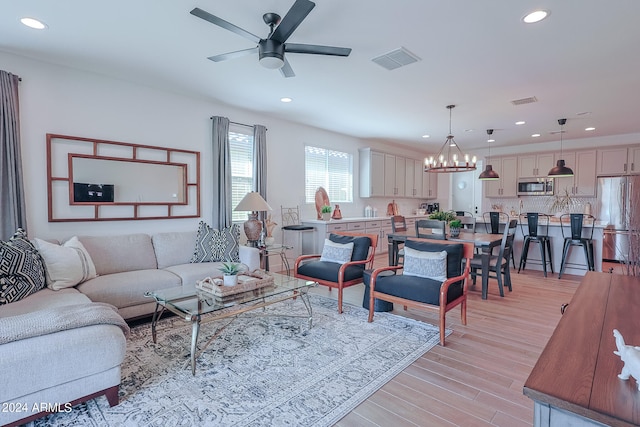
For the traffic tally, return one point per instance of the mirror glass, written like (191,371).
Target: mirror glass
(98,180)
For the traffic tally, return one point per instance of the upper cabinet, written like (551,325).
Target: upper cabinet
(535,165)
(619,161)
(506,186)
(387,175)
(583,182)
(429,184)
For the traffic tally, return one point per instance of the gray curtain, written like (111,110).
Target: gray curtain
(221,212)
(260,162)
(12,204)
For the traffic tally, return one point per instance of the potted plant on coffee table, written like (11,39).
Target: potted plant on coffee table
(230,272)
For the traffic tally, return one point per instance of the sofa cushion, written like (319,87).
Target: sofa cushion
(22,270)
(45,298)
(329,271)
(173,248)
(67,264)
(116,254)
(415,288)
(127,288)
(213,245)
(191,272)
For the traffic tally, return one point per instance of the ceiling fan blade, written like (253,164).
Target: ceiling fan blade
(286,69)
(232,55)
(292,19)
(317,49)
(224,24)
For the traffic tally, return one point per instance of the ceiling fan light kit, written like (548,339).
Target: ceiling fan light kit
(450,157)
(560,170)
(271,50)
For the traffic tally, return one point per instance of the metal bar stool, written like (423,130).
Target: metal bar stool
(581,228)
(537,231)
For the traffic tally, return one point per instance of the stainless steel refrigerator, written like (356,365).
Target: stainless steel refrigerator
(618,206)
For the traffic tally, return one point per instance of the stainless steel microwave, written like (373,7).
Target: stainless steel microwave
(535,187)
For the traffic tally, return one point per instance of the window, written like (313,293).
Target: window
(330,169)
(241,147)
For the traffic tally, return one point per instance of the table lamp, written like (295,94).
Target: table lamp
(254,203)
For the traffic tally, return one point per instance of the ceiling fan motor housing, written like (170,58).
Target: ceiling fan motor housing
(271,53)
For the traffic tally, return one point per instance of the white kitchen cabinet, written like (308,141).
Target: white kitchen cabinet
(535,165)
(619,161)
(413,178)
(506,186)
(371,173)
(389,175)
(401,165)
(429,185)
(584,180)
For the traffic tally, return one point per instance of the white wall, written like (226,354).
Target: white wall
(55,99)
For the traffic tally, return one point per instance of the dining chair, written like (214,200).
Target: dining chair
(498,264)
(492,221)
(342,263)
(434,277)
(468,223)
(535,229)
(577,230)
(399,225)
(431,229)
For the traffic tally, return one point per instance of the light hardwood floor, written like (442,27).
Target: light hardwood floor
(477,378)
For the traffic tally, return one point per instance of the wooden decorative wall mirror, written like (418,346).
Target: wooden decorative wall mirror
(98,180)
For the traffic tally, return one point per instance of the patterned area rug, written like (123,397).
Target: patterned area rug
(261,371)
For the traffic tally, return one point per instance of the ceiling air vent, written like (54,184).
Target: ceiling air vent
(396,59)
(522,101)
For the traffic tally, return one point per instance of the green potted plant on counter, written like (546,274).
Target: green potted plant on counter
(230,272)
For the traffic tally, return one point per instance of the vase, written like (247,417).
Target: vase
(454,231)
(228,280)
(326,216)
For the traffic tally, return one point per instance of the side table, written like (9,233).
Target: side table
(275,249)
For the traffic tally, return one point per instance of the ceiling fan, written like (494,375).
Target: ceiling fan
(271,50)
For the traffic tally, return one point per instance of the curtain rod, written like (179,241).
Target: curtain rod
(238,123)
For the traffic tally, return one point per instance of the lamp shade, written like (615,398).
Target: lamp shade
(253,202)
(560,170)
(489,174)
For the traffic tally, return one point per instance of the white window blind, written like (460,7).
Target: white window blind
(330,169)
(241,147)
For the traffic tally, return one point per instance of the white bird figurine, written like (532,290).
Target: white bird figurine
(630,355)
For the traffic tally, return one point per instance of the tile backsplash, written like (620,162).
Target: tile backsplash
(539,204)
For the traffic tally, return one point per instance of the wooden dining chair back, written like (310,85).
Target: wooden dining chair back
(399,225)
(498,264)
(431,229)
(325,269)
(468,223)
(415,288)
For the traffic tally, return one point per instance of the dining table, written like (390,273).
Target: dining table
(484,241)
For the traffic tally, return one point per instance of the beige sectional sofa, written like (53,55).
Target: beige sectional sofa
(80,363)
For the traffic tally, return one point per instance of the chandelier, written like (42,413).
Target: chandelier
(450,157)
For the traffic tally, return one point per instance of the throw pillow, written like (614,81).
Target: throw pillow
(21,269)
(430,265)
(216,245)
(336,252)
(361,245)
(67,265)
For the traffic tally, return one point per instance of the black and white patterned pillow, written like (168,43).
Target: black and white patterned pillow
(217,245)
(21,269)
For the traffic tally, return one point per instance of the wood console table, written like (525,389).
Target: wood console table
(575,380)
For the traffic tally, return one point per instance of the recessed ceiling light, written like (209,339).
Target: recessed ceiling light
(583,113)
(285,99)
(521,122)
(33,23)
(491,140)
(535,135)
(589,129)
(536,16)
(426,136)
(468,130)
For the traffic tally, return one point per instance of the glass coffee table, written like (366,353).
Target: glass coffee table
(191,304)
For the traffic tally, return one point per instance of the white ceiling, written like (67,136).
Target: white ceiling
(478,55)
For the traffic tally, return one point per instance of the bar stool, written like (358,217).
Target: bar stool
(537,231)
(578,229)
(291,222)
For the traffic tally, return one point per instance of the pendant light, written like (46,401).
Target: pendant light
(560,170)
(489,174)
(450,157)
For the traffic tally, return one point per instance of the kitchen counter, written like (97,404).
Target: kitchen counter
(359,219)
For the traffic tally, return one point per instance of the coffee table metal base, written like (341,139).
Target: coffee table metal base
(196,319)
